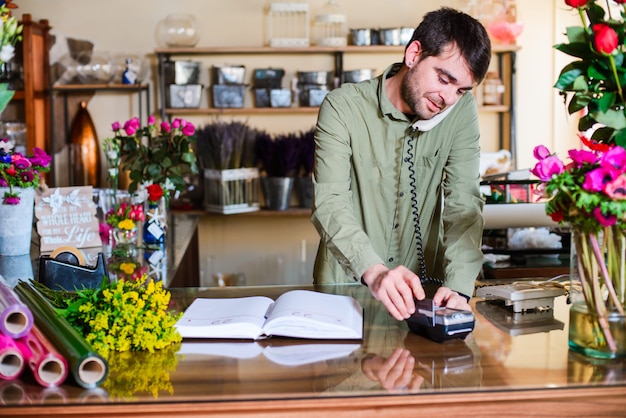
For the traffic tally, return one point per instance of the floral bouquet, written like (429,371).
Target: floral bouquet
(588,193)
(125,215)
(119,316)
(156,154)
(19,171)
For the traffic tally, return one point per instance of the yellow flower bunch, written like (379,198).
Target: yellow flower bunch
(122,315)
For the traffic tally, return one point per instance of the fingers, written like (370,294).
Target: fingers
(451,299)
(396,288)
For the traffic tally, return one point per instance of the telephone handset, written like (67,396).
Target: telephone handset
(435,322)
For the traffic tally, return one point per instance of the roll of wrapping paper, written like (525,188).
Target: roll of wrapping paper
(86,366)
(11,358)
(16,319)
(49,367)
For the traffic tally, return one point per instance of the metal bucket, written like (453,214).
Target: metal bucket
(277,192)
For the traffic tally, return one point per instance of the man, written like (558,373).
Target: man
(401,146)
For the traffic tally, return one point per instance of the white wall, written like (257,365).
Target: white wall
(233,244)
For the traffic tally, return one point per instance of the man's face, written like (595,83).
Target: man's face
(435,83)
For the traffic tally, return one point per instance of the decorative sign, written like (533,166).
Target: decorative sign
(66,216)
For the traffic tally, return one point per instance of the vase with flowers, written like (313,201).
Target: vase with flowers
(20,175)
(588,193)
(157,158)
(123,220)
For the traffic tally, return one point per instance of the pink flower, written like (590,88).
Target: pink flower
(616,189)
(40,158)
(151,120)
(10,199)
(115,126)
(596,179)
(165,127)
(615,157)
(581,157)
(189,129)
(604,220)
(548,167)
(541,151)
(176,123)
(21,163)
(131,126)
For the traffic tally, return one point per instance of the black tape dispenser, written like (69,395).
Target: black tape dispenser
(65,268)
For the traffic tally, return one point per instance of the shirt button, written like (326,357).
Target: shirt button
(401,194)
(391,259)
(396,226)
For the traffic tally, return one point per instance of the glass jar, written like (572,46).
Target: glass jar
(493,89)
(179,30)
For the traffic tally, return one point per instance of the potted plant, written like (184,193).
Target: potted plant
(226,154)
(304,181)
(19,177)
(278,159)
(159,155)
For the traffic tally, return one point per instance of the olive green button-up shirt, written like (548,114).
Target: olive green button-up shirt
(363,207)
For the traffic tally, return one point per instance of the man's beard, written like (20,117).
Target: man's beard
(412,99)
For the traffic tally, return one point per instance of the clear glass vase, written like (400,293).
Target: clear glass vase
(597,293)
(586,335)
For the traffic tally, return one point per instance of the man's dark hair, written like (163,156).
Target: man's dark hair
(446,25)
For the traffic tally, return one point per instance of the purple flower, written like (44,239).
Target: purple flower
(22,163)
(40,158)
(541,152)
(596,179)
(615,157)
(10,199)
(604,220)
(548,167)
(189,129)
(581,157)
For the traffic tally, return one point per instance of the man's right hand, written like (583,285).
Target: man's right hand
(395,288)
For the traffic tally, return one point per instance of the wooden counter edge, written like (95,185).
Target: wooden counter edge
(584,401)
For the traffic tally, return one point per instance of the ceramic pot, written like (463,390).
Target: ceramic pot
(16,222)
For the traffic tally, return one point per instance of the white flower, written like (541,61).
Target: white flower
(6,53)
(112,155)
(169,185)
(7,144)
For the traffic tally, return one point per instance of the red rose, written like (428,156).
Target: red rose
(576,3)
(604,38)
(620,1)
(155,192)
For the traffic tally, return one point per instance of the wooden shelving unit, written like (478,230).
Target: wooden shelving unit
(31,104)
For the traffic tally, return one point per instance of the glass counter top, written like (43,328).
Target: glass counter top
(507,358)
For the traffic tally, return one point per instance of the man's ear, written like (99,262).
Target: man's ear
(412,53)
